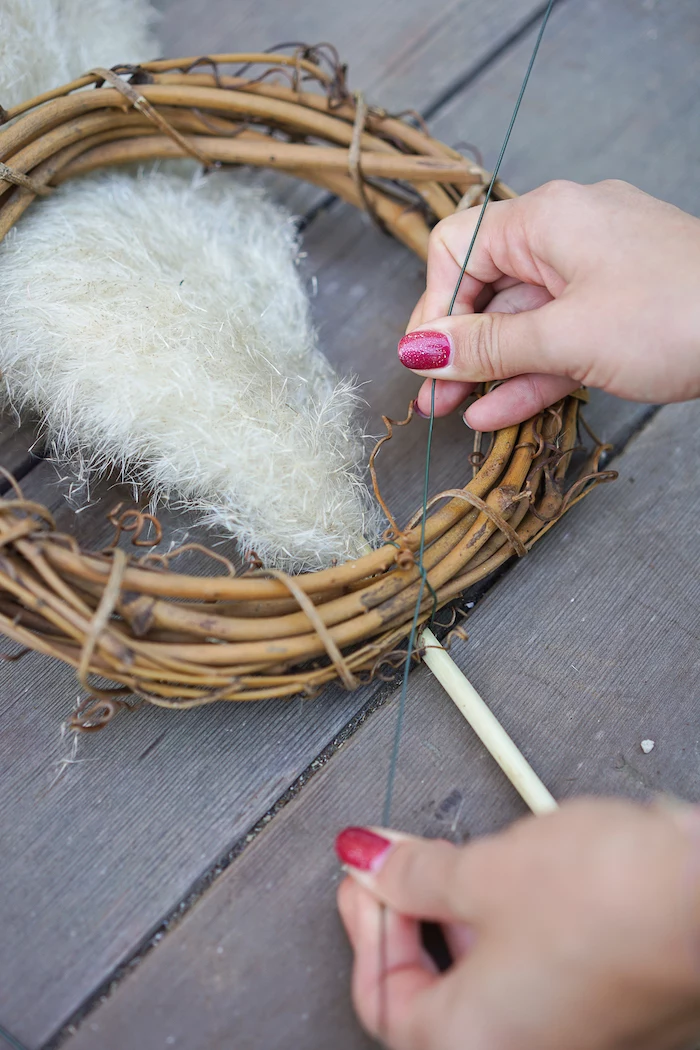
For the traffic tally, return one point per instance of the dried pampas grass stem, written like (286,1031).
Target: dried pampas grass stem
(158,325)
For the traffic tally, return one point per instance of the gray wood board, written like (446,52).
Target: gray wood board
(405,55)
(408,60)
(149,806)
(161,797)
(367,287)
(158,799)
(614,94)
(587,648)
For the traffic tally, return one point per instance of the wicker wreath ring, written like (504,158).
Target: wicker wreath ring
(181,640)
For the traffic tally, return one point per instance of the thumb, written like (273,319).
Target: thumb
(419,878)
(483,347)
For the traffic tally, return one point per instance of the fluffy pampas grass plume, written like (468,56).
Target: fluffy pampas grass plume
(160,325)
(45,43)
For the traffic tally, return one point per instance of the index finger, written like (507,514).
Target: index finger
(447,248)
(517,240)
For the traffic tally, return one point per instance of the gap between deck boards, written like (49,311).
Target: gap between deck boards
(459,84)
(262,961)
(301,780)
(22,466)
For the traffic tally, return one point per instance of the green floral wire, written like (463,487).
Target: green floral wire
(391,777)
(386,815)
(11,1040)
(393,762)
(425,583)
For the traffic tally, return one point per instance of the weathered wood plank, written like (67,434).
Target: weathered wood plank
(405,61)
(159,798)
(147,808)
(614,94)
(367,287)
(588,647)
(162,796)
(403,54)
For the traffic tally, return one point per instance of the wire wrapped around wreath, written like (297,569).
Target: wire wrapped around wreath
(181,640)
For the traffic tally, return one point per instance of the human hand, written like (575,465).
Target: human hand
(594,285)
(572,931)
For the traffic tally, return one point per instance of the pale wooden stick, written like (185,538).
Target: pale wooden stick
(486,726)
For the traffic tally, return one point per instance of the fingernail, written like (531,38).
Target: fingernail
(424,350)
(466,422)
(417,409)
(361,848)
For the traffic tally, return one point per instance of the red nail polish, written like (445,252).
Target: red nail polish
(361,848)
(423,350)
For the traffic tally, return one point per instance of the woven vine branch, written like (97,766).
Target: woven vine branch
(180,640)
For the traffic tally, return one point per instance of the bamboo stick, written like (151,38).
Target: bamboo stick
(486,726)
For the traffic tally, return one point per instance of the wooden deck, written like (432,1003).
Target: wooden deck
(175,886)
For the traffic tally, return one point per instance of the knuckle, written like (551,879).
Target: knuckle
(400,865)
(404,870)
(482,346)
(480,868)
(556,199)
(420,871)
(443,234)
(442,229)
(615,184)
(561,190)
(532,394)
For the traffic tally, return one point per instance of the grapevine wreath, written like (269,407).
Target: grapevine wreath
(180,640)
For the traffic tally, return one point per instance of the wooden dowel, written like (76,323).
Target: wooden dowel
(486,726)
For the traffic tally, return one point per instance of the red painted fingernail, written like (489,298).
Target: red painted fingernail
(417,409)
(423,350)
(361,848)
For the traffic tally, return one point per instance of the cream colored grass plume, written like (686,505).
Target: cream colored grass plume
(44,43)
(158,324)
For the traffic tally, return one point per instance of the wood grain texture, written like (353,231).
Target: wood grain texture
(146,809)
(404,55)
(157,800)
(93,863)
(587,648)
(407,60)
(614,94)
(367,286)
